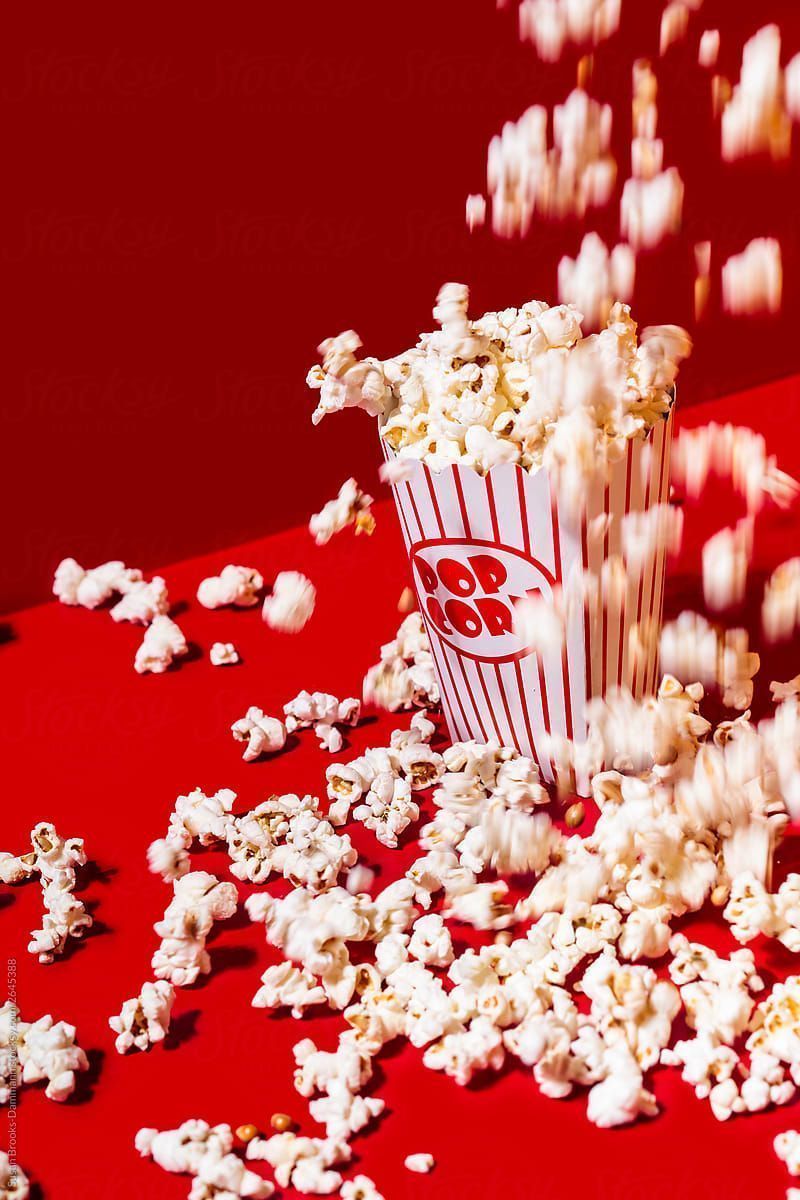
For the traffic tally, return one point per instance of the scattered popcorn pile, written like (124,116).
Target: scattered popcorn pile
(552,24)
(53,860)
(520,386)
(206,1153)
(199,899)
(309,710)
(405,675)
(31,1051)
(351,506)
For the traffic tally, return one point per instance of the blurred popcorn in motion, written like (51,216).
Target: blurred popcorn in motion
(476,211)
(732,452)
(708,51)
(752,282)
(595,279)
(780,611)
(674,24)
(349,507)
(551,24)
(725,560)
(526,178)
(291,603)
(754,121)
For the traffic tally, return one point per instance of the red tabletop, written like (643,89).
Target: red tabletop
(103,753)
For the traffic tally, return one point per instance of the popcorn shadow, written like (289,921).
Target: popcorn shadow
(94,873)
(182,1029)
(179,609)
(7,634)
(227,958)
(193,654)
(35,1192)
(239,920)
(85,1080)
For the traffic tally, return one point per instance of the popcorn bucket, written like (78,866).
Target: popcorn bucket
(477,543)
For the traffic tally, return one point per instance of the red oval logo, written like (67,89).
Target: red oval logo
(468,589)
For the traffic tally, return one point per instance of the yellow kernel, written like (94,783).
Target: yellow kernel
(574,815)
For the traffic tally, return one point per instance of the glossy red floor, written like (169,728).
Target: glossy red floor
(103,752)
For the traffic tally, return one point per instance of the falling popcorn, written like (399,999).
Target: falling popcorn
(594,280)
(708,50)
(726,557)
(754,120)
(525,177)
(651,209)
(780,610)
(349,507)
(752,282)
(289,607)
(674,24)
(552,24)
(476,212)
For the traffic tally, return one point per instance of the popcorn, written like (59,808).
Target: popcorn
(349,507)
(404,676)
(631,1007)
(144,1020)
(525,177)
(264,735)
(430,941)
(197,816)
(619,1098)
(787,1148)
(674,24)
(708,50)
(734,452)
(478,1047)
(168,859)
(551,24)
(54,860)
(595,279)
(289,607)
(142,602)
(544,394)
(286,986)
(651,209)
(224,654)
(419,1164)
(162,642)
(360,1187)
(343,381)
(754,120)
(237,586)
(475,212)
(14,1184)
(322,712)
(302,1163)
(779,691)
(76,586)
(198,901)
(726,556)
(43,1049)
(387,809)
(752,282)
(205,1152)
(780,609)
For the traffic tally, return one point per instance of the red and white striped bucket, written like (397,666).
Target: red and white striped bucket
(479,542)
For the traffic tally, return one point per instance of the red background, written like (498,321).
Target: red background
(195,196)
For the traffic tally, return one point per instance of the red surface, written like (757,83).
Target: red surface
(103,753)
(196,197)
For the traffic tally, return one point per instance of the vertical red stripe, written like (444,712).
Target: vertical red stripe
(559,574)
(603,608)
(623,615)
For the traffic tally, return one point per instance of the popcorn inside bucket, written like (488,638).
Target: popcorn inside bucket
(481,544)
